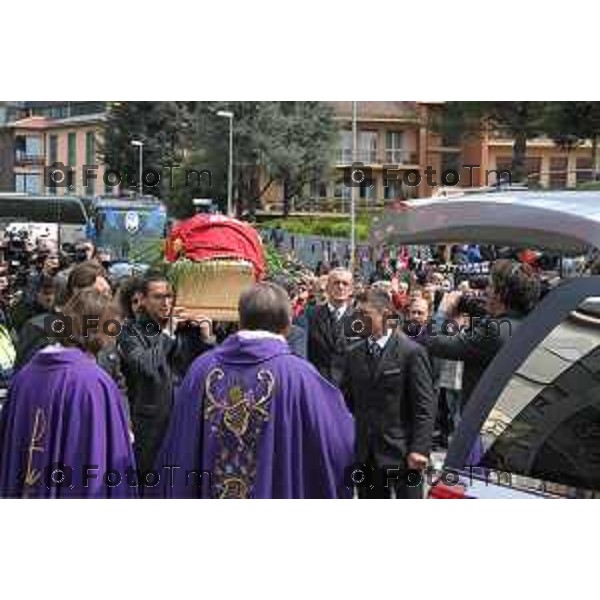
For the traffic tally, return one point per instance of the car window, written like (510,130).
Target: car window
(546,422)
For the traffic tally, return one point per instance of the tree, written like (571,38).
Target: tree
(572,123)
(520,120)
(165,128)
(286,142)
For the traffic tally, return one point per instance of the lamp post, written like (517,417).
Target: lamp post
(229,115)
(353,191)
(139,144)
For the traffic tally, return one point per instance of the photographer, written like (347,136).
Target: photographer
(32,336)
(513,290)
(42,302)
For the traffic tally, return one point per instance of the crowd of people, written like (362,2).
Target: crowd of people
(325,384)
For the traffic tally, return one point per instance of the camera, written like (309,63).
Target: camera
(357,325)
(58,175)
(80,255)
(472,305)
(358,175)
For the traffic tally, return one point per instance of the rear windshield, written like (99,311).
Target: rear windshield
(546,422)
(67,211)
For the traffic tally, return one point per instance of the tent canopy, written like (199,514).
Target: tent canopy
(564,221)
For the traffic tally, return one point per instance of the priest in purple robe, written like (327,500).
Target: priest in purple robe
(63,428)
(252,420)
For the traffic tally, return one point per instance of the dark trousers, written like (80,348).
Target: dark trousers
(387,483)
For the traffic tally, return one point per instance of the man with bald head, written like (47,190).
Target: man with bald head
(326,340)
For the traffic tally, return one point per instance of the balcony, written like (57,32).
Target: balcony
(22,158)
(373,157)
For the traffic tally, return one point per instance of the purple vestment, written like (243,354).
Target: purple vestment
(64,433)
(251,420)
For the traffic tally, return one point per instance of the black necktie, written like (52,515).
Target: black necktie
(375,351)
(374,354)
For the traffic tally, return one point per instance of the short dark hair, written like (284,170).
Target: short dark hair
(265,306)
(45,283)
(127,289)
(150,278)
(83,276)
(377,298)
(516,284)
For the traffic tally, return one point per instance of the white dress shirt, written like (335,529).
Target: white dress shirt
(339,312)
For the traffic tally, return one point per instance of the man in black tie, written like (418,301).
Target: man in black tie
(388,384)
(326,340)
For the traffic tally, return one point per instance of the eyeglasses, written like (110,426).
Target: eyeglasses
(161,296)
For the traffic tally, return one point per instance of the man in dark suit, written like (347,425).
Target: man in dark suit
(326,339)
(388,385)
(297,340)
(156,351)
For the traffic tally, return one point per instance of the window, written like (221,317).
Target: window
(546,422)
(367,146)
(393,191)
(72,149)
(584,168)
(367,193)
(318,189)
(90,159)
(344,156)
(28,148)
(394,153)
(33,146)
(558,171)
(28,183)
(53,148)
(90,148)
(342,192)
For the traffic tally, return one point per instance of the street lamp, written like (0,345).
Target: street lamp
(139,144)
(229,115)
(353,190)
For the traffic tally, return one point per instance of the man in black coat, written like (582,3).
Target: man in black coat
(513,291)
(388,385)
(327,341)
(156,350)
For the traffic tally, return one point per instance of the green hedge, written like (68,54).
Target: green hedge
(589,186)
(325,226)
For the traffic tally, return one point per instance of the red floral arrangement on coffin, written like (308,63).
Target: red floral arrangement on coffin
(214,259)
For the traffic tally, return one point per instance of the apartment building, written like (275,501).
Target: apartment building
(547,164)
(394,139)
(45,133)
